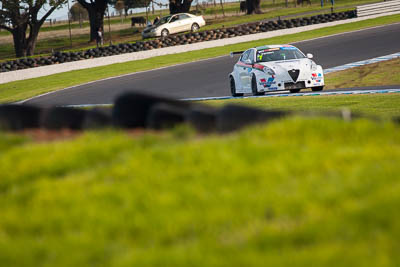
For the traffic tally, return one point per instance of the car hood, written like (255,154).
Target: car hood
(282,68)
(150,27)
(154,26)
(301,64)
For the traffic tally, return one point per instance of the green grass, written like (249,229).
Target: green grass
(85,24)
(79,42)
(63,26)
(278,12)
(20,90)
(279,5)
(380,105)
(292,193)
(377,74)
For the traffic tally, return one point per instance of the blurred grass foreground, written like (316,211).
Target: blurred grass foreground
(295,192)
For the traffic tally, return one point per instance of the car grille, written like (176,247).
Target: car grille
(294,74)
(299,85)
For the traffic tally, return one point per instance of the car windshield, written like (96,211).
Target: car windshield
(277,54)
(163,20)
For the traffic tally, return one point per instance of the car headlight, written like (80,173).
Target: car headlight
(313,65)
(269,71)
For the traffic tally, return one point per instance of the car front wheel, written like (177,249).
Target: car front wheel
(233,87)
(195,27)
(254,86)
(164,33)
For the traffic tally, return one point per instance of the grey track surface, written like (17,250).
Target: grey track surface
(209,78)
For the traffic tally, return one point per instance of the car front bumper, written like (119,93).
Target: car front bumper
(149,34)
(265,85)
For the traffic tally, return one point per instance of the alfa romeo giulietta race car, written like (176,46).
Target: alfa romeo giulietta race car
(272,68)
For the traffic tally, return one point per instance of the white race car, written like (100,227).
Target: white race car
(275,67)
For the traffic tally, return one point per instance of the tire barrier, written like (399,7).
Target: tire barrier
(57,118)
(136,110)
(234,117)
(14,117)
(163,116)
(97,118)
(131,109)
(145,111)
(18,117)
(172,40)
(202,118)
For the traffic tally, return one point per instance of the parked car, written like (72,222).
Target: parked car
(181,22)
(275,67)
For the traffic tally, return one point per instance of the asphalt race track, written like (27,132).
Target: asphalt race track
(209,78)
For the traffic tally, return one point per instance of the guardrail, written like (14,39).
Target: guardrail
(378,8)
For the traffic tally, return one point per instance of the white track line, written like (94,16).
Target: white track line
(350,92)
(361,92)
(362,63)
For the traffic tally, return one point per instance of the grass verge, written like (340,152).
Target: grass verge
(289,193)
(377,74)
(20,90)
(380,105)
(79,42)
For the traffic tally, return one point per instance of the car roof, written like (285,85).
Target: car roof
(264,47)
(170,15)
(181,14)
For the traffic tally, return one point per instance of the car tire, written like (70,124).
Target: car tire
(317,88)
(233,87)
(294,90)
(164,33)
(195,27)
(254,86)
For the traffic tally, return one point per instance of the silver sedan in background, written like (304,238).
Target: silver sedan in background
(181,22)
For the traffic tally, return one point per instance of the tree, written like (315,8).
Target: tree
(253,7)
(21,19)
(78,12)
(131,4)
(179,6)
(222,6)
(119,6)
(96,10)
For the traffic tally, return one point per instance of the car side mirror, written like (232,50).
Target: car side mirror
(310,56)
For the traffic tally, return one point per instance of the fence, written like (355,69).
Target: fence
(378,8)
